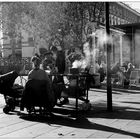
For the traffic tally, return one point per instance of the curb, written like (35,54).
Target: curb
(103,89)
(126,90)
(129,89)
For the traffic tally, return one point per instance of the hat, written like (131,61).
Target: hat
(48,53)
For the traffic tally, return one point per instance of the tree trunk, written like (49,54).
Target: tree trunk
(12,42)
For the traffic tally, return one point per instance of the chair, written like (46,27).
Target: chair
(38,93)
(76,86)
(135,78)
(78,89)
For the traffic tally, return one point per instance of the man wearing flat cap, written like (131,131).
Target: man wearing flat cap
(48,62)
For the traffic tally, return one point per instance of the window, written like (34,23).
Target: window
(31,41)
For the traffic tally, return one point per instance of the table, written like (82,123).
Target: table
(77,77)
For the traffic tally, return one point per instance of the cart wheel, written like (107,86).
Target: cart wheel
(11,102)
(6,109)
(30,110)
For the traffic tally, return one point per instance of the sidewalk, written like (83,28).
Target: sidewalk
(122,122)
(132,89)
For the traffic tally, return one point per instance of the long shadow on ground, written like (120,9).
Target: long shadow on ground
(82,119)
(99,110)
(131,102)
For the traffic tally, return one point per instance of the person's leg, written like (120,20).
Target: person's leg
(64,98)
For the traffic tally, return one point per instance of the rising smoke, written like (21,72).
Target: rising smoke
(91,49)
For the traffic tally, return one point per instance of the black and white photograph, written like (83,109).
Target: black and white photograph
(69,69)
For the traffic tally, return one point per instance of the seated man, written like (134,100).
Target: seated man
(116,68)
(116,73)
(130,68)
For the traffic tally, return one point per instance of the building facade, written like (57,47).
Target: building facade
(131,43)
(92,12)
(120,14)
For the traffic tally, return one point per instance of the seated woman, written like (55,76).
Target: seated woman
(38,74)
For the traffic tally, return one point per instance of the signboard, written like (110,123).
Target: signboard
(28,51)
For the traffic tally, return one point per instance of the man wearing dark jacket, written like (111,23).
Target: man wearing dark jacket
(48,62)
(58,80)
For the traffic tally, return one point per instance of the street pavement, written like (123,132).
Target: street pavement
(122,122)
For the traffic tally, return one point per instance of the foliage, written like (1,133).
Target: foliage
(79,14)
(38,18)
(43,19)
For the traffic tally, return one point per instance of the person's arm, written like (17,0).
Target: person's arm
(43,64)
(48,79)
(46,75)
(30,75)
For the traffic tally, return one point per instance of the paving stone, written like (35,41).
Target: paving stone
(123,122)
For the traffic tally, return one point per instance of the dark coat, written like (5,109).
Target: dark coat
(38,93)
(60,62)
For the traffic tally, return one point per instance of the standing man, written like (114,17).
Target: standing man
(58,80)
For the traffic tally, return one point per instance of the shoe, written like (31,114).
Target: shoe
(63,101)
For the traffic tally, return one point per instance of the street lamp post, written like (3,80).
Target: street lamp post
(109,88)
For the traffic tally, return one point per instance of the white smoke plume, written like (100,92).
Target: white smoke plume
(92,51)
(84,61)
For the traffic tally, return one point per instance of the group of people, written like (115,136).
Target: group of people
(53,62)
(122,74)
